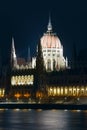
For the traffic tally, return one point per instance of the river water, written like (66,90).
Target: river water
(28,119)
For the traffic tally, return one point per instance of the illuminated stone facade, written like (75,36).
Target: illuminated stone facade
(22,84)
(70,83)
(66,91)
(57,81)
(22,77)
(22,80)
(2,92)
(52,50)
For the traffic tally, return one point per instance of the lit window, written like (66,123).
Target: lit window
(54,91)
(66,90)
(22,80)
(58,91)
(61,91)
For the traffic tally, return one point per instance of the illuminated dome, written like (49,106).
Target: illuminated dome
(50,40)
(52,51)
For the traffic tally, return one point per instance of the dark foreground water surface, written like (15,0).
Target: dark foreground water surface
(43,120)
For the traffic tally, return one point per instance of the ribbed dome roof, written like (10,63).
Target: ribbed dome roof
(50,40)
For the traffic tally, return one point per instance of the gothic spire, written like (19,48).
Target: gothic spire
(13,48)
(29,57)
(13,55)
(49,27)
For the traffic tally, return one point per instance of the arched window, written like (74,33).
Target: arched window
(54,64)
(49,65)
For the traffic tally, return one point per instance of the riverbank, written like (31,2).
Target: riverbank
(44,106)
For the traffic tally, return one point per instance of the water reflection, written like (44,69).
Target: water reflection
(28,119)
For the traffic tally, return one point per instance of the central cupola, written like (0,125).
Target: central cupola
(52,50)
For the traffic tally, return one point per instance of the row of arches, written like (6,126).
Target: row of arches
(49,64)
(67,91)
(22,80)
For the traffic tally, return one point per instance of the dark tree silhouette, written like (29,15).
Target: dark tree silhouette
(39,60)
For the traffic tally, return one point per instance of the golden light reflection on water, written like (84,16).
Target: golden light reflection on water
(39,110)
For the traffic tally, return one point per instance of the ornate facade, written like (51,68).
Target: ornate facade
(22,77)
(52,50)
(63,82)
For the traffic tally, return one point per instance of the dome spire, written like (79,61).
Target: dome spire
(49,27)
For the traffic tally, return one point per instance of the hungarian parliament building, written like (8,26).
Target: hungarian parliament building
(48,75)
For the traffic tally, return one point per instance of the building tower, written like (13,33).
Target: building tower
(52,50)
(13,56)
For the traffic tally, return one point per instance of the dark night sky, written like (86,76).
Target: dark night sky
(27,20)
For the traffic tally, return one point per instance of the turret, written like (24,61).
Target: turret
(28,57)
(13,55)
